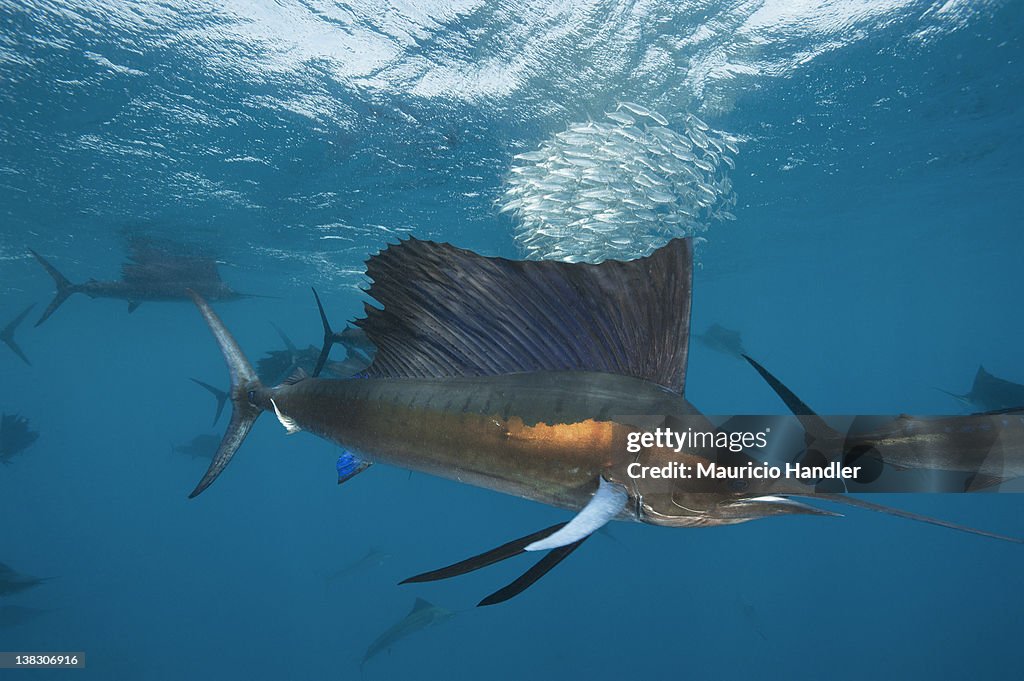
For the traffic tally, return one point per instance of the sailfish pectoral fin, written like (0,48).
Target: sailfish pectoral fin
(290,426)
(604,506)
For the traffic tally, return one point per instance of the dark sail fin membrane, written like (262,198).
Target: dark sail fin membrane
(450,312)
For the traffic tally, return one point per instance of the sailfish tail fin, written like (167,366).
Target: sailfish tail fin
(218,394)
(64,287)
(329,337)
(7,334)
(244,383)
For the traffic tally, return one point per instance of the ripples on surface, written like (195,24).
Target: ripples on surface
(269,127)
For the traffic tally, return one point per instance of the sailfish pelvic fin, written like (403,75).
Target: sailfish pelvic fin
(504,552)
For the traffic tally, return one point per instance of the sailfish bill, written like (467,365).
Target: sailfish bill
(917,517)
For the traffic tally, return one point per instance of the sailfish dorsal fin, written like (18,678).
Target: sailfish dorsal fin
(421,604)
(451,312)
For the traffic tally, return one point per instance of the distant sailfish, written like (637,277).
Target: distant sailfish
(422,615)
(199,447)
(15,436)
(990,393)
(12,581)
(723,340)
(155,272)
(372,558)
(523,377)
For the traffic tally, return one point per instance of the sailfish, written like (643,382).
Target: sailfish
(523,377)
(155,271)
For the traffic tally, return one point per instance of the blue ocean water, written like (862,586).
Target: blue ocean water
(877,254)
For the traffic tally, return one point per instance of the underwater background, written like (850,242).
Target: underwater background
(876,254)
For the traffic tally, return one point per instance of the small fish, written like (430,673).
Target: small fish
(697,123)
(660,197)
(531,156)
(619,117)
(707,191)
(704,165)
(657,118)
(699,138)
(635,108)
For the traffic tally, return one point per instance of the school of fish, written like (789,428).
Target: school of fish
(619,189)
